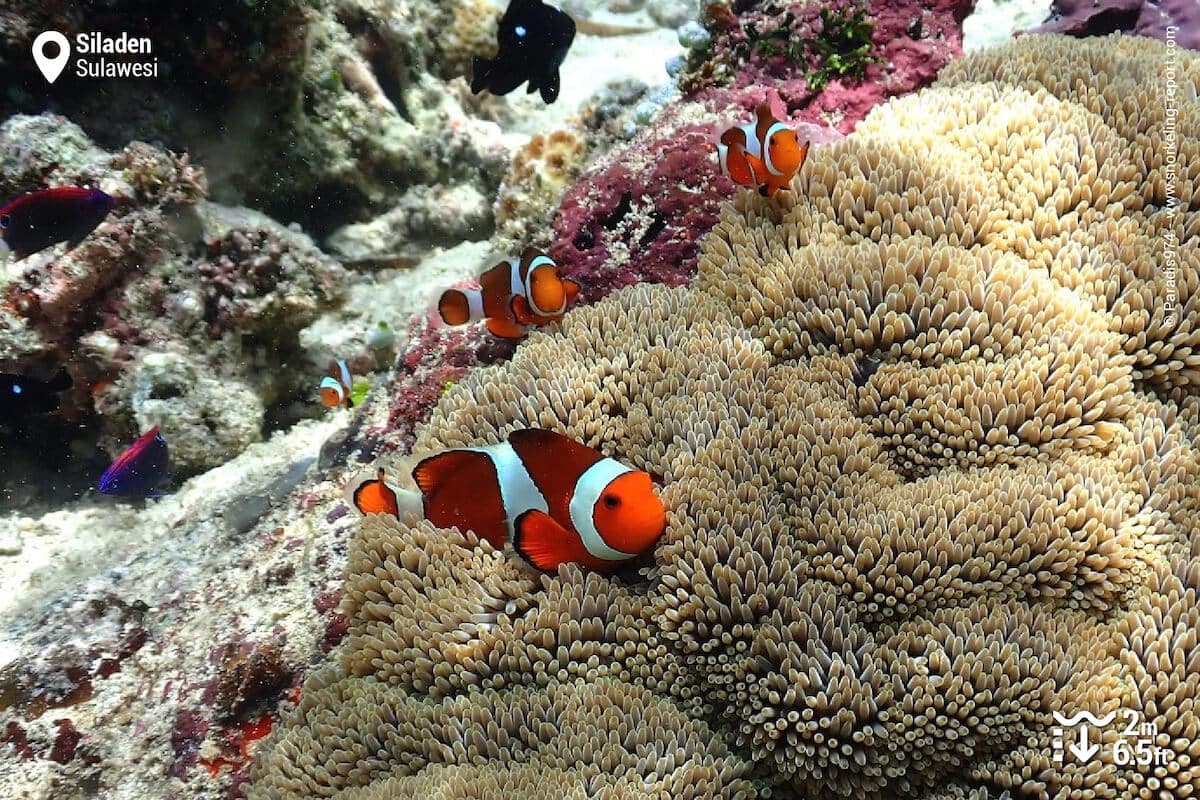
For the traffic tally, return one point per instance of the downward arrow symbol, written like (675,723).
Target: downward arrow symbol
(1082,750)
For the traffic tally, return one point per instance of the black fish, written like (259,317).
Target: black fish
(534,40)
(21,396)
(141,470)
(37,220)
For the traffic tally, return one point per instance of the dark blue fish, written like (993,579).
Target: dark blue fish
(534,40)
(37,220)
(141,470)
(21,396)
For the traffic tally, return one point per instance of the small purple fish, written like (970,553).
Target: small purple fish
(34,221)
(140,470)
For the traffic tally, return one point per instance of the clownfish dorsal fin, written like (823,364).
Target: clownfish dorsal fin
(539,437)
(543,449)
(437,470)
(764,119)
(528,255)
(733,137)
(540,540)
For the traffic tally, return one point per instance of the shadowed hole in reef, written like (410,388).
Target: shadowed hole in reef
(165,391)
(48,461)
(389,71)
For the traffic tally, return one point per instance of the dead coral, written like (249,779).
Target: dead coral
(923,492)
(471,33)
(540,173)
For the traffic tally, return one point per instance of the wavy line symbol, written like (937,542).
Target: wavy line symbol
(1099,722)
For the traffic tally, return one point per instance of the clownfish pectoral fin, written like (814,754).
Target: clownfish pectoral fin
(572,289)
(521,310)
(775,183)
(540,540)
(505,329)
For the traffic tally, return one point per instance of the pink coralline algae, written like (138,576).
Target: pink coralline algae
(1153,18)
(764,46)
(437,357)
(254,281)
(638,215)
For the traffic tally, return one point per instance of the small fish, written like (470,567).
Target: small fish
(764,154)
(534,39)
(336,388)
(141,470)
(512,296)
(21,396)
(34,221)
(554,499)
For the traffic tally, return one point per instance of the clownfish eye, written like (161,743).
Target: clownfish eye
(5,219)
(611,501)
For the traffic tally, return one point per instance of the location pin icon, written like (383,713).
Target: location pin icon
(51,67)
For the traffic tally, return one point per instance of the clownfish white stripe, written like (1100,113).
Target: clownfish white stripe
(331,383)
(516,283)
(723,157)
(344,371)
(518,492)
(474,303)
(588,488)
(753,145)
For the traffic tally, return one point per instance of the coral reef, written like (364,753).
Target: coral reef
(318,112)
(471,33)
(927,433)
(1152,18)
(143,648)
(541,171)
(637,215)
(834,63)
(426,216)
(206,419)
(184,300)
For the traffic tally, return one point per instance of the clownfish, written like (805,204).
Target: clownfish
(765,153)
(554,499)
(334,388)
(512,296)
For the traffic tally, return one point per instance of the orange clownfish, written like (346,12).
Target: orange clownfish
(512,296)
(553,498)
(765,154)
(334,388)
